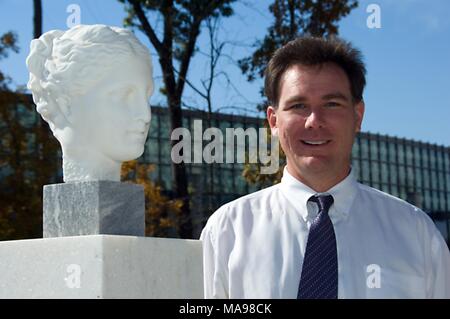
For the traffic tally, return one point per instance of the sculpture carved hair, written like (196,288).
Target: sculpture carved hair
(65,63)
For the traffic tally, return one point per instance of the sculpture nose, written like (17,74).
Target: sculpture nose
(143,110)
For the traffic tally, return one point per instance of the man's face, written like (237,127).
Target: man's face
(316,121)
(113,117)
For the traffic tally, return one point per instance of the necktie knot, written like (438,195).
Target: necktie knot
(323,201)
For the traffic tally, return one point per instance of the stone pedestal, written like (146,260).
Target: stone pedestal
(101,266)
(92,208)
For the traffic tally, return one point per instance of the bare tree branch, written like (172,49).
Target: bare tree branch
(146,27)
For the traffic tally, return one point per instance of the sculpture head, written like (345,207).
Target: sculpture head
(92,84)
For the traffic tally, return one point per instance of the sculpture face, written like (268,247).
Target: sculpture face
(112,118)
(92,84)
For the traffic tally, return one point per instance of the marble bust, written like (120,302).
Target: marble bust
(92,85)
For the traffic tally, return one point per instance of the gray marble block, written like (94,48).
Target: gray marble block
(92,208)
(101,266)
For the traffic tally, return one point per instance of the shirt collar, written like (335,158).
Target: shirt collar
(298,194)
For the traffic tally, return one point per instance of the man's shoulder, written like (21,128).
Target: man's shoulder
(249,203)
(254,197)
(405,218)
(380,195)
(392,205)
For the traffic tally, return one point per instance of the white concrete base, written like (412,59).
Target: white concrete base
(101,266)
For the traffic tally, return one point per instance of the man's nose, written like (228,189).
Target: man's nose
(315,119)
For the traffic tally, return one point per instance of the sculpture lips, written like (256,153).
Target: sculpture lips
(138,135)
(138,130)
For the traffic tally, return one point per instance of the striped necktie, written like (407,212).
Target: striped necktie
(319,277)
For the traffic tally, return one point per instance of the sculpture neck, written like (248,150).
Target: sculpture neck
(90,169)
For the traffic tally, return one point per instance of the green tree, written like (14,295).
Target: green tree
(292,18)
(175,44)
(8,43)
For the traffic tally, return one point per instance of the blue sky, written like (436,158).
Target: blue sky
(408,58)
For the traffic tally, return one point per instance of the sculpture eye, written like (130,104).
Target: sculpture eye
(127,92)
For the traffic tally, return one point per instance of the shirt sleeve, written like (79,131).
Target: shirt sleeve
(214,283)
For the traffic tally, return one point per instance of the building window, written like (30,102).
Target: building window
(384,173)
(364,149)
(401,154)
(375,172)
(433,180)
(427,200)
(365,172)
(373,150)
(402,175)
(409,155)
(425,162)
(393,174)
(383,151)
(392,152)
(355,168)
(432,159)
(418,178)
(417,156)
(355,150)
(426,179)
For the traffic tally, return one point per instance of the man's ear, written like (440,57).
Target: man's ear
(272,119)
(359,110)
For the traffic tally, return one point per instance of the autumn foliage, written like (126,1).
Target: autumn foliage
(162,214)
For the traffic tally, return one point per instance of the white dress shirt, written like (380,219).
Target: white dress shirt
(254,246)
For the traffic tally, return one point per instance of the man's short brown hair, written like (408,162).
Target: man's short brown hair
(311,51)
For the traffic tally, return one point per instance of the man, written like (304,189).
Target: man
(319,233)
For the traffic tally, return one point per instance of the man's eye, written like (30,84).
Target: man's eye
(332,104)
(298,106)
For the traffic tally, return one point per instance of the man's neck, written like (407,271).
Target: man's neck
(319,182)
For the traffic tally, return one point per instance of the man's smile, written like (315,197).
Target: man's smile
(315,143)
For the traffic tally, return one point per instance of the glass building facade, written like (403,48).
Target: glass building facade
(414,171)
(210,185)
